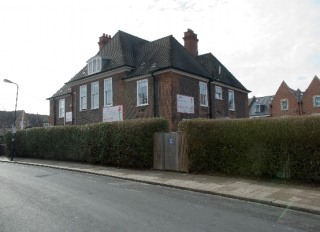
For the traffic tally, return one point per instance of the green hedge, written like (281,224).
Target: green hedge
(124,144)
(283,147)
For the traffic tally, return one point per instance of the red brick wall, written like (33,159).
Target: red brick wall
(68,107)
(131,109)
(220,108)
(52,112)
(170,85)
(284,92)
(311,91)
(165,97)
(96,115)
(167,86)
(241,101)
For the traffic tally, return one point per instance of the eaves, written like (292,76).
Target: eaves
(230,87)
(100,75)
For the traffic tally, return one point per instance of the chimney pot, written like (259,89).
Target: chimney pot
(191,42)
(103,40)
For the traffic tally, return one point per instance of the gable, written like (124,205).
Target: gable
(285,92)
(218,71)
(314,87)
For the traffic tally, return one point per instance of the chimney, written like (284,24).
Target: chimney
(103,40)
(191,42)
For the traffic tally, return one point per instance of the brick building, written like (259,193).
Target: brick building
(286,102)
(289,102)
(132,78)
(311,97)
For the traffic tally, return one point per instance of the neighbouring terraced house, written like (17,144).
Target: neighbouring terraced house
(290,102)
(131,78)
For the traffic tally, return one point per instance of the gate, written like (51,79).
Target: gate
(169,151)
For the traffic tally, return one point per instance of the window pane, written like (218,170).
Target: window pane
(317,101)
(94,63)
(61,108)
(98,65)
(83,97)
(142,92)
(203,93)
(108,92)
(284,105)
(231,100)
(90,68)
(95,95)
(218,92)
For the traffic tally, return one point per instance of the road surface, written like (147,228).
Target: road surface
(48,200)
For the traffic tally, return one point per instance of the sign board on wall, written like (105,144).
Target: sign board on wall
(113,113)
(68,116)
(185,104)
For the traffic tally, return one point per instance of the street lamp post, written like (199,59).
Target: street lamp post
(14,120)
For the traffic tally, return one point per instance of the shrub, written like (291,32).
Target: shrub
(126,144)
(280,147)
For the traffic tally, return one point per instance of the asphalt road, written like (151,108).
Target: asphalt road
(46,200)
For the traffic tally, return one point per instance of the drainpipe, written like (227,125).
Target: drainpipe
(209,99)
(154,96)
(54,112)
(74,108)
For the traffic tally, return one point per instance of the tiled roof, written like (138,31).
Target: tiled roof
(211,63)
(264,101)
(62,91)
(298,94)
(165,53)
(119,52)
(125,50)
(33,120)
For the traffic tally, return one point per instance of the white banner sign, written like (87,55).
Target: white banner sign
(68,116)
(113,113)
(185,104)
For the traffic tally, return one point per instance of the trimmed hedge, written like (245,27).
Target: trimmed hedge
(124,144)
(282,147)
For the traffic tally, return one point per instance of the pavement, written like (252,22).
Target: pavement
(289,196)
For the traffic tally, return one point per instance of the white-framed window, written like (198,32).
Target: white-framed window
(316,101)
(83,97)
(231,100)
(94,65)
(62,108)
(203,89)
(142,92)
(95,95)
(218,93)
(284,104)
(259,108)
(108,94)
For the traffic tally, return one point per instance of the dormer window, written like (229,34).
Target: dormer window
(94,65)
(259,108)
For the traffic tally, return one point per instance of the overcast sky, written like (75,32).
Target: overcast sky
(44,43)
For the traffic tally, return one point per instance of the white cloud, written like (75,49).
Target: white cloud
(45,43)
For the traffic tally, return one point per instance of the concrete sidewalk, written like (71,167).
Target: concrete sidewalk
(296,197)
